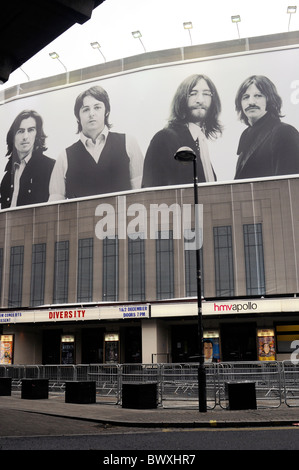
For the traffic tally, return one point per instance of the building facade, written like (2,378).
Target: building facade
(72,294)
(112,278)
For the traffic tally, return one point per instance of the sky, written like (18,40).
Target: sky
(161,25)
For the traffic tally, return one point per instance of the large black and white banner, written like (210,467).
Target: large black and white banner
(120,132)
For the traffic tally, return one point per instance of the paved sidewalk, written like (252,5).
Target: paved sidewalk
(179,417)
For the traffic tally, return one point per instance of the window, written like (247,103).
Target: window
(110,268)
(190,266)
(85,270)
(61,272)
(136,268)
(224,266)
(16,276)
(164,265)
(38,274)
(254,259)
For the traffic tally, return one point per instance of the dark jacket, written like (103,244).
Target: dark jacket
(86,177)
(34,182)
(160,167)
(268,148)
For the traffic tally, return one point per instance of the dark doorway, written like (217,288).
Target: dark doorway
(51,346)
(184,343)
(132,343)
(92,345)
(238,342)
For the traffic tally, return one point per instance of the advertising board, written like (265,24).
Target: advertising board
(138,144)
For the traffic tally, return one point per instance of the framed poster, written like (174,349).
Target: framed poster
(68,349)
(111,348)
(6,349)
(266,345)
(211,346)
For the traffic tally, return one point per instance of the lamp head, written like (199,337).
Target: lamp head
(95,45)
(291,9)
(236,19)
(185,155)
(188,25)
(136,34)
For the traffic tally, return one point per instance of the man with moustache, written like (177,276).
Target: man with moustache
(101,161)
(28,170)
(268,147)
(194,118)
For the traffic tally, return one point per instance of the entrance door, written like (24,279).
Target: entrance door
(238,342)
(184,343)
(92,345)
(132,344)
(51,346)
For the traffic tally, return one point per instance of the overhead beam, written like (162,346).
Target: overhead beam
(26,27)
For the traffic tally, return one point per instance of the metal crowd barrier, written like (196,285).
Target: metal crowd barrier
(266,376)
(107,378)
(177,384)
(290,373)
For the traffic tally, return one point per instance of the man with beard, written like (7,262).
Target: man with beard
(193,119)
(268,147)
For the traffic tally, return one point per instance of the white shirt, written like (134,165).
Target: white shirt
(197,133)
(19,168)
(57,181)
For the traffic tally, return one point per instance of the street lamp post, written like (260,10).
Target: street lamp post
(187,155)
(54,55)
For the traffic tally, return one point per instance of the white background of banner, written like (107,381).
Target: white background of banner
(116,312)
(225,307)
(140,102)
(208,308)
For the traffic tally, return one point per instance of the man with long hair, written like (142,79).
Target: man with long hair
(101,161)
(267,147)
(28,170)
(194,118)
